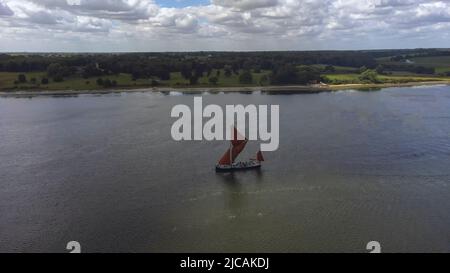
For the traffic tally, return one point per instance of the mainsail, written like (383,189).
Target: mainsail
(237,146)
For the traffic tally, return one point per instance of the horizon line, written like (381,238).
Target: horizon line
(216,51)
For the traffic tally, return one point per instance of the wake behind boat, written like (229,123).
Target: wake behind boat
(227,162)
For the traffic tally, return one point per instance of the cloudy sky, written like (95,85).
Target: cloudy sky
(192,25)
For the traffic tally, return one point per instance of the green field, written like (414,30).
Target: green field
(7,81)
(441,63)
(342,75)
(354,78)
(339,69)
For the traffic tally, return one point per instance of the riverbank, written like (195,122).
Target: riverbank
(387,85)
(300,89)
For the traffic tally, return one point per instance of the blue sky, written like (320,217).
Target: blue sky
(238,25)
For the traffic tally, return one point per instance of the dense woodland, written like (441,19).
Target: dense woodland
(299,67)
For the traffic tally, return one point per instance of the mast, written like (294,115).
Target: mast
(231,155)
(231,147)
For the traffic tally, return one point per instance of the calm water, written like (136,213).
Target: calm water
(352,167)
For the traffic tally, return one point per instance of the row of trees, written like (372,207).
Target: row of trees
(289,74)
(143,65)
(285,75)
(285,67)
(22,78)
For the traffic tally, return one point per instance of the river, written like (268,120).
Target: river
(103,170)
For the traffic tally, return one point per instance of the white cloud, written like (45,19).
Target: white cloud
(227,24)
(245,5)
(5,10)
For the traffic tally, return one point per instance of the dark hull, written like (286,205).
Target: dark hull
(238,167)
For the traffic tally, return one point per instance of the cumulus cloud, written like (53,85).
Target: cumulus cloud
(172,20)
(246,4)
(5,10)
(112,9)
(116,9)
(233,24)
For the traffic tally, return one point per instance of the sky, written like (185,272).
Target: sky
(221,25)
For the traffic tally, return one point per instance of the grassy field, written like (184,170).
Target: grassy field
(7,81)
(342,75)
(354,78)
(440,63)
(339,69)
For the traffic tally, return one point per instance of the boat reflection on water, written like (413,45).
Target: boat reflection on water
(235,193)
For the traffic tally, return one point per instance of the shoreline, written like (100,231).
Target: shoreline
(299,89)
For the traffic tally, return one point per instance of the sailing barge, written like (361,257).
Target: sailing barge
(227,162)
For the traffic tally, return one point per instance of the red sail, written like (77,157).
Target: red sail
(237,148)
(259,156)
(228,159)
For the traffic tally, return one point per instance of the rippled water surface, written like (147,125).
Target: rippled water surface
(352,167)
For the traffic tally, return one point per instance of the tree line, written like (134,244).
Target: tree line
(288,67)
